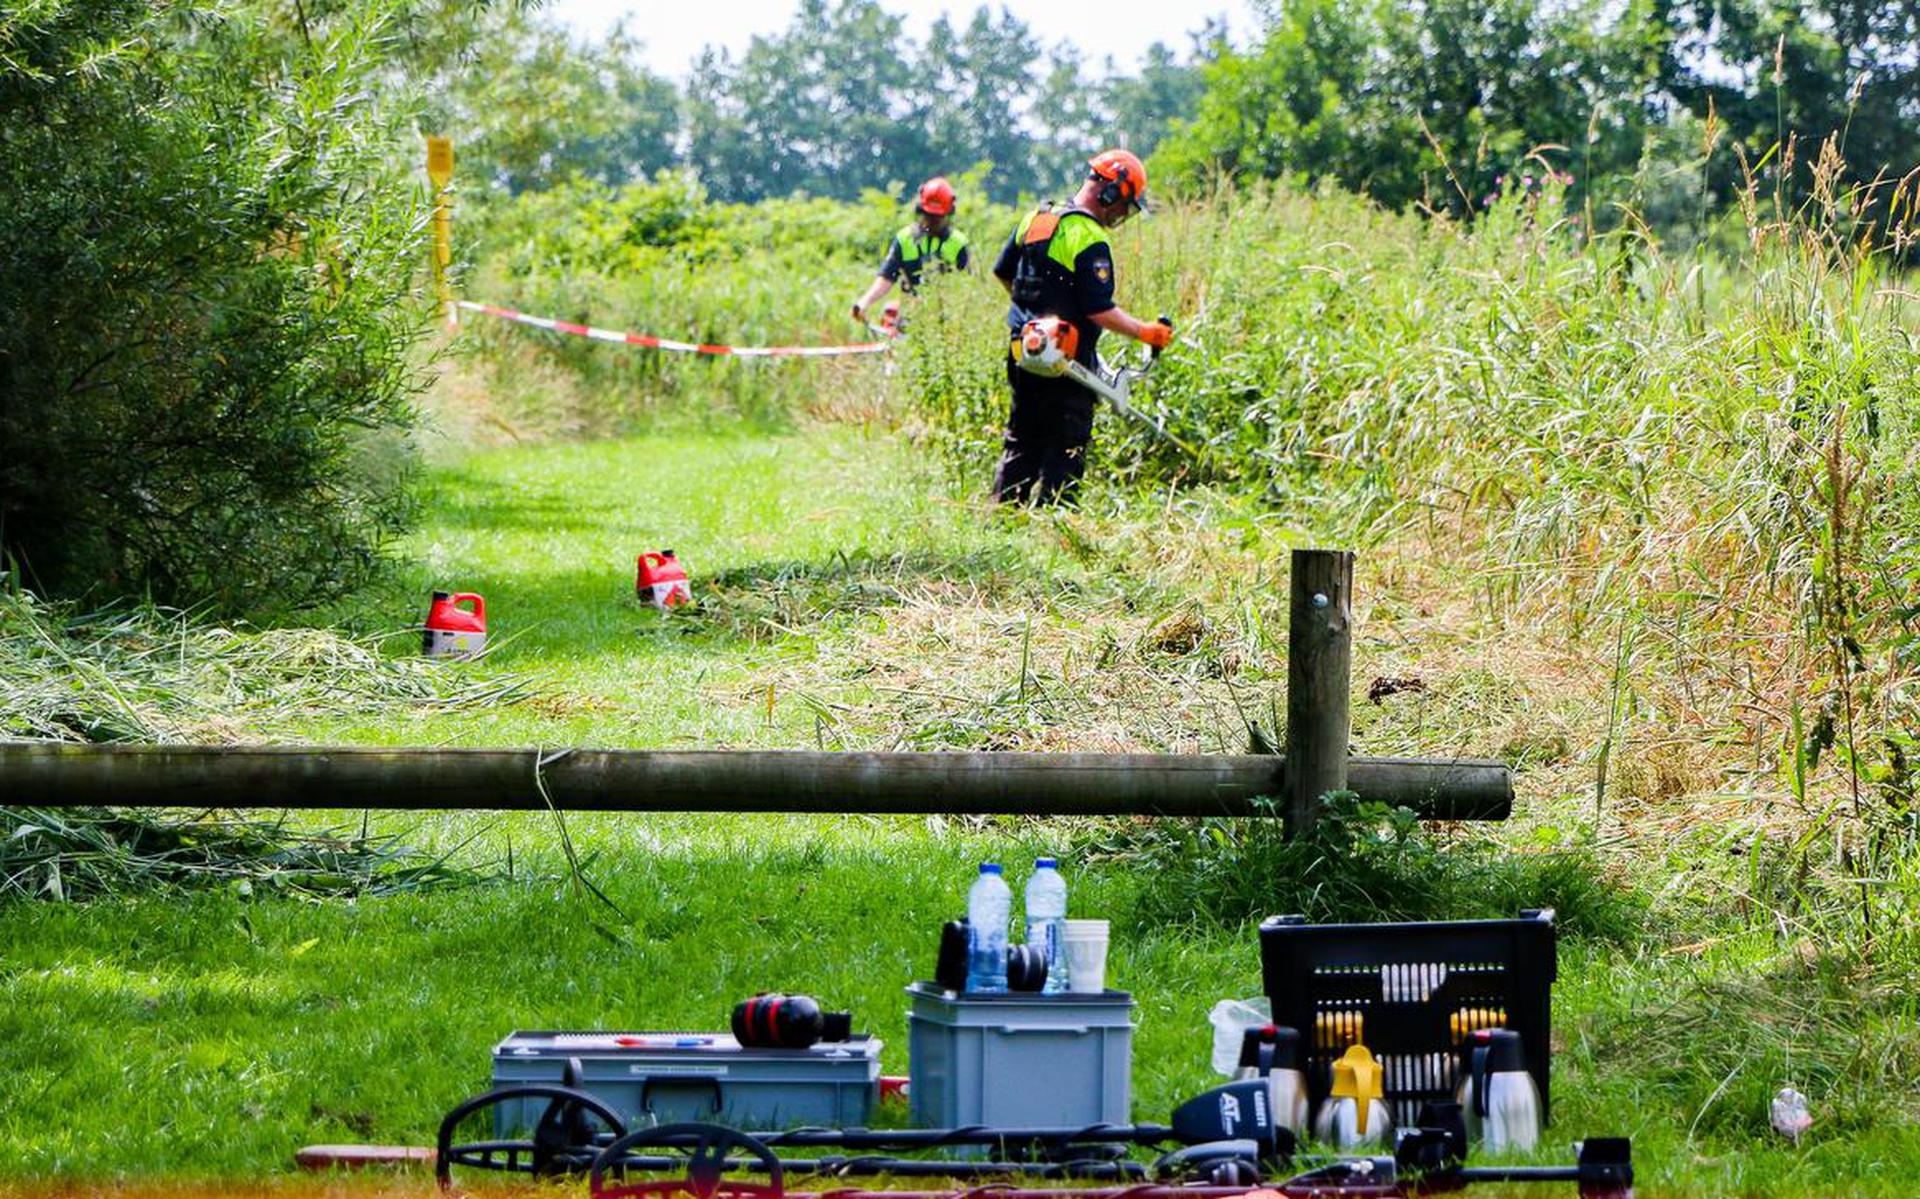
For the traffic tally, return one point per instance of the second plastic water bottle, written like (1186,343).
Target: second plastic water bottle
(1047,918)
(989,909)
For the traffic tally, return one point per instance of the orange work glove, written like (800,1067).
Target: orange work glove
(1157,335)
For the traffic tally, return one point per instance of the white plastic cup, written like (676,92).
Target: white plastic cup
(1084,944)
(1231,1018)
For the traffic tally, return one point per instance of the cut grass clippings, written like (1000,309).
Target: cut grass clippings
(82,854)
(153,675)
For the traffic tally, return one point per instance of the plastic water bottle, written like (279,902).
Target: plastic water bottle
(1047,918)
(989,909)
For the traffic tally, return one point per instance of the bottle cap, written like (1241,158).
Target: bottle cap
(1356,1076)
(1045,864)
(1506,1053)
(989,867)
(1282,1045)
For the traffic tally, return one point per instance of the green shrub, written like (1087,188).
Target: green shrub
(207,260)
(1362,862)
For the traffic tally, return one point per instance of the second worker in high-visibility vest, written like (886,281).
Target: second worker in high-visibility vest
(929,244)
(1059,262)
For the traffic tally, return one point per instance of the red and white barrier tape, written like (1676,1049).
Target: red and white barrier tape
(678,347)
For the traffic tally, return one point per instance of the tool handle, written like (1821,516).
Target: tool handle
(1153,352)
(716,1101)
(1072,1030)
(1519,1174)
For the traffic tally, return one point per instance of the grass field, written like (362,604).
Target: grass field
(846,603)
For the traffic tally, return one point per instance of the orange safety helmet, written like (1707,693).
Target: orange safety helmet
(936,197)
(1122,176)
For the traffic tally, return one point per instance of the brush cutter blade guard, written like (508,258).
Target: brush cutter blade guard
(1046,346)
(706,1147)
(565,1140)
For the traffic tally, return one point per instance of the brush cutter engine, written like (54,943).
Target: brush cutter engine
(1046,347)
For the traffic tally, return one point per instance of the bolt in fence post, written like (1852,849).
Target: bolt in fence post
(1319,663)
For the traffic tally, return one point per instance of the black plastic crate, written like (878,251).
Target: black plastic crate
(1411,993)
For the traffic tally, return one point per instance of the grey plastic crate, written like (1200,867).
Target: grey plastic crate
(719,1081)
(1018,1059)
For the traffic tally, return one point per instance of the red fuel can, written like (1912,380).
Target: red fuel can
(456,625)
(660,580)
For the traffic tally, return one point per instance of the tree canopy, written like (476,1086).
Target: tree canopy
(840,101)
(1438,101)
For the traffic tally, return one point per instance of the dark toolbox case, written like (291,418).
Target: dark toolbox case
(664,1077)
(1411,993)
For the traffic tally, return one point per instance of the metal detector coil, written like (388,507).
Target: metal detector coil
(564,1141)
(706,1147)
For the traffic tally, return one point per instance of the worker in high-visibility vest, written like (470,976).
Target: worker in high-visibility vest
(1059,262)
(929,244)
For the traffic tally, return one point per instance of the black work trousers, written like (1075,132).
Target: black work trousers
(1045,450)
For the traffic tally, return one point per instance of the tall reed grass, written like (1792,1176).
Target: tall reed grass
(1703,469)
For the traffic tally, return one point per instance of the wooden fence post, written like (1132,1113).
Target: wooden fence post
(1319,665)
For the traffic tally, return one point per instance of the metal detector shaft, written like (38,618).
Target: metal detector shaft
(899,1167)
(976,1134)
(1141,1191)
(1520,1174)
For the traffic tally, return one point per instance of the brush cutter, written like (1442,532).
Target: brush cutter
(1047,346)
(890,327)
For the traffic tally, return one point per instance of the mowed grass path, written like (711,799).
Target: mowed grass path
(210,1037)
(207,1038)
(549,536)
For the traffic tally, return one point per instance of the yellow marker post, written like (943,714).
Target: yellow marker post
(440,171)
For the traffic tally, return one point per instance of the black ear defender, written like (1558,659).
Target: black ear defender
(787,1022)
(950,969)
(1110,193)
(1026,968)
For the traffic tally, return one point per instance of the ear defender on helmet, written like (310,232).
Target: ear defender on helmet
(1122,179)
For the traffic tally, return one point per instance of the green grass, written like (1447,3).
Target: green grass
(213,1036)
(820,529)
(207,1036)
